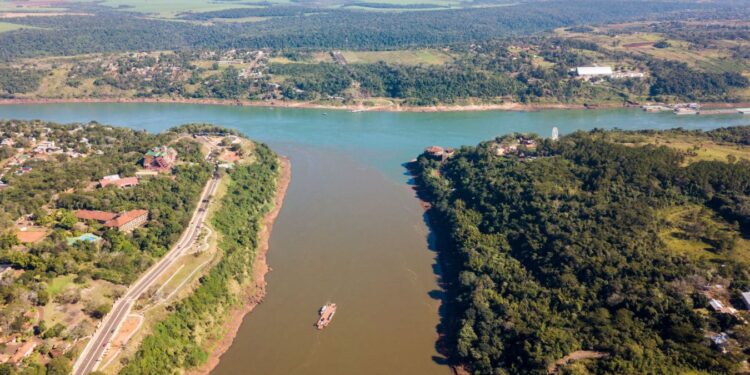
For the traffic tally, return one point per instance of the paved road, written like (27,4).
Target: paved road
(107,330)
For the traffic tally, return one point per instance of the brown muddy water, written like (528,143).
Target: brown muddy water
(349,235)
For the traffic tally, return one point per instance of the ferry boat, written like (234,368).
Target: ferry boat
(326,315)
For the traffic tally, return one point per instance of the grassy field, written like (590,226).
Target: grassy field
(696,148)
(414,57)
(616,38)
(171,8)
(403,57)
(5,26)
(679,242)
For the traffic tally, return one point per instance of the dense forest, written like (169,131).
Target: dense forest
(560,246)
(289,27)
(16,81)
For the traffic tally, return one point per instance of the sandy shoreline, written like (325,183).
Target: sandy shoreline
(260,268)
(308,105)
(510,107)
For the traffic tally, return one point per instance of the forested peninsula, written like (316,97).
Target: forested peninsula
(599,252)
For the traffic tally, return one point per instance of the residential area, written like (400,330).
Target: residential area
(80,221)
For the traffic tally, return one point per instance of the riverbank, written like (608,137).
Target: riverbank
(260,269)
(391,107)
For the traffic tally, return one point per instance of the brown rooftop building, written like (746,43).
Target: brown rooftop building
(116,180)
(101,216)
(129,220)
(124,222)
(23,351)
(160,158)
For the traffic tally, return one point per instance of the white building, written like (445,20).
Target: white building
(746,299)
(594,71)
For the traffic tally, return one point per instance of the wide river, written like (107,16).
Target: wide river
(351,230)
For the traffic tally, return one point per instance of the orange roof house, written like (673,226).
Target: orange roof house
(24,351)
(160,158)
(116,180)
(129,220)
(101,216)
(124,222)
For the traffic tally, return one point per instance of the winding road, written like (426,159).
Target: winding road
(108,328)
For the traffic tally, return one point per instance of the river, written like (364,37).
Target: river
(351,230)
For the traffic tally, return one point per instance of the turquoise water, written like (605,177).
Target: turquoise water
(381,139)
(351,230)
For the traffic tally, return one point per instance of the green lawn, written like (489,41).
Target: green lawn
(408,57)
(170,8)
(59,283)
(5,26)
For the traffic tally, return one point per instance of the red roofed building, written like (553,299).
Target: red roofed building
(160,158)
(124,222)
(24,351)
(117,181)
(100,216)
(129,220)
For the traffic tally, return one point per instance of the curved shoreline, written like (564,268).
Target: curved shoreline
(260,268)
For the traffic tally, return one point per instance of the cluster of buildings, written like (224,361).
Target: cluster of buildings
(717,296)
(160,159)
(506,147)
(142,65)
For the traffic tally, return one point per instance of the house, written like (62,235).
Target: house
(100,216)
(628,75)
(716,305)
(160,158)
(594,71)
(746,299)
(124,222)
(45,147)
(116,180)
(720,340)
(23,351)
(129,220)
(7,142)
(502,149)
(440,153)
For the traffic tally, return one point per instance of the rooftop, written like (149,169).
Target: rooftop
(125,218)
(95,215)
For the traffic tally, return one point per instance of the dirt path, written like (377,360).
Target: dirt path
(260,268)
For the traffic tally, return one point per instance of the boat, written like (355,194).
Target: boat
(326,315)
